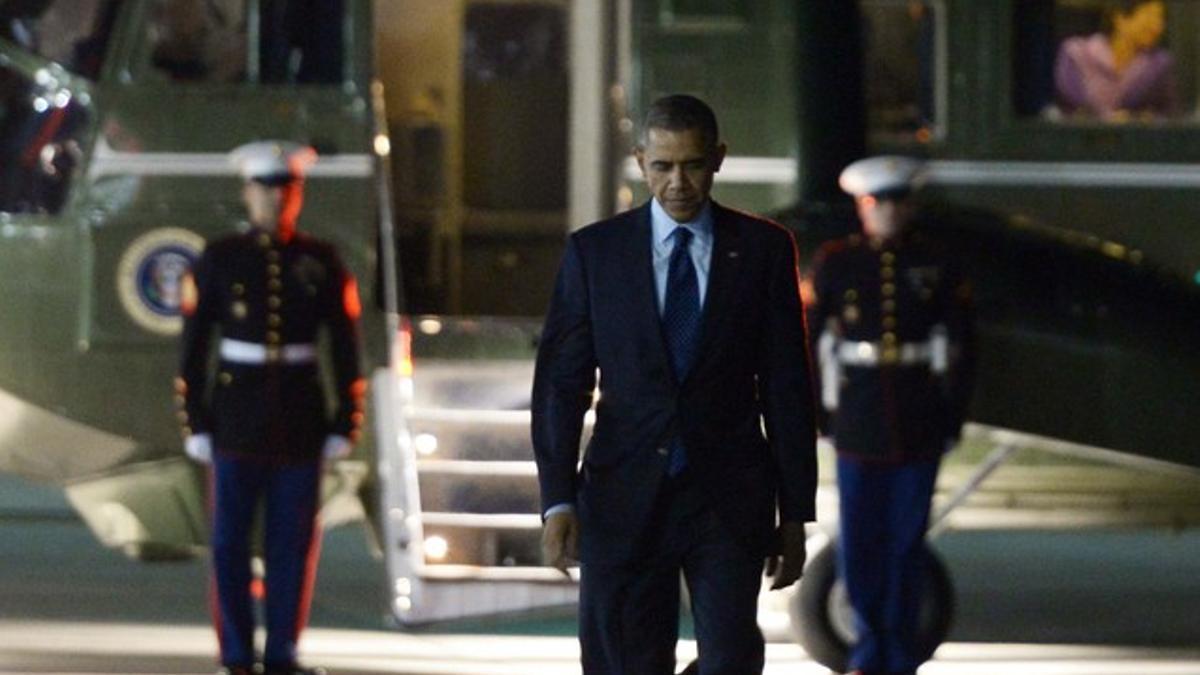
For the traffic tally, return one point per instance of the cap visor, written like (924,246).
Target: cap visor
(275,179)
(894,194)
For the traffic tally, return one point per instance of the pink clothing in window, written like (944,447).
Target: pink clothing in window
(1087,81)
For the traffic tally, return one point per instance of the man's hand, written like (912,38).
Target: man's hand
(560,540)
(785,569)
(199,448)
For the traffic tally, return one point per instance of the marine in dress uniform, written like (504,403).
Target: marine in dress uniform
(262,422)
(893,314)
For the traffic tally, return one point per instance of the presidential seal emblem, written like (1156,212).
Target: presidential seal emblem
(150,277)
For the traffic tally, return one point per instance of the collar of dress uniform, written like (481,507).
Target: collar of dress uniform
(266,237)
(899,240)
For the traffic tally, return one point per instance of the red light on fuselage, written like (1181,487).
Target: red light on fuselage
(350,302)
(403,361)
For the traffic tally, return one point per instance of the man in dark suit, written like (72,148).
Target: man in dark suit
(263,427)
(893,311)
(690,313)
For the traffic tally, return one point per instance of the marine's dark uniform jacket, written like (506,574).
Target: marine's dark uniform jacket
(896,327)
(273,297)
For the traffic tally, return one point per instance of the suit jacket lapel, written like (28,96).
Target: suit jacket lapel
(723,273)
(642,288)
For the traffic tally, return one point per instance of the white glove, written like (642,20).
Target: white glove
(199,448)
(336,447)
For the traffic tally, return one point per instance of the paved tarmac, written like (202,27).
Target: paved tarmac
(1086,603)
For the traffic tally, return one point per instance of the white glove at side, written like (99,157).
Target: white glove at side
(199,448)
(336,447)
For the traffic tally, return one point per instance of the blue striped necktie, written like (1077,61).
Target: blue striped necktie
(681,323)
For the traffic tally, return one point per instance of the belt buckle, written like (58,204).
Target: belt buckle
(889,356)
(274,353)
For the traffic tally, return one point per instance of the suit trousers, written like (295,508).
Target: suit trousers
(291,547)
(882,557)
(629,613)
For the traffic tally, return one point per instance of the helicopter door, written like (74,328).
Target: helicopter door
(51,53)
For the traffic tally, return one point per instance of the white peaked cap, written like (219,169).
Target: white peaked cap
(273,162)
(886,173)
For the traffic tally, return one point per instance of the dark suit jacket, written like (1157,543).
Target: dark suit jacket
(751,376)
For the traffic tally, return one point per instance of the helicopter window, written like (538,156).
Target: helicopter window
(301,41)
(40,130)
(510,42)
(1111,62)
(901,61)
(515,83)
(72,33)
(198,41)
(296,41)
(675,12)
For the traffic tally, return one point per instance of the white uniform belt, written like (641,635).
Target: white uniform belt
(253,353)
(875,354)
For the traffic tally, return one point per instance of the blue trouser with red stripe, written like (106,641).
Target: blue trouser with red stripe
(290,550)
(884,511)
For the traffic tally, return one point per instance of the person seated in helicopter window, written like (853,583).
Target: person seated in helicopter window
(198,42)
(1123,73)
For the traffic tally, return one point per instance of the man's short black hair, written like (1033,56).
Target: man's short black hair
(680,112)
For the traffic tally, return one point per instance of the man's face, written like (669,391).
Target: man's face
(679,169)
(273,206)
(883,218)
(264,203)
